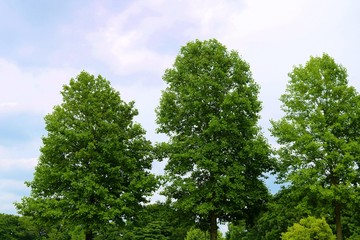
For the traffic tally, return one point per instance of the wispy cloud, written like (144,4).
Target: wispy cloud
(11,191)
(31,90)
(17,164)
(19,160)
(8,105)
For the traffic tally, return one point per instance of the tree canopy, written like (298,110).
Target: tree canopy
(17,228)
(319,134)
(309,228)
(93,177)
(216,154)
(93,170)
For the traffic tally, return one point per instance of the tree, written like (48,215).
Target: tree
(160,221)
(289,206)
(94,165)
(285,208)
(16,228)
(309,228)
(216,154)
(197,234)
(319,134)
(236,232)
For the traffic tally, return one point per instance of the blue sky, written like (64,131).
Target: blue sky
(131,43)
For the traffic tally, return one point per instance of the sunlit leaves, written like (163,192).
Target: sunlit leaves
(319,133)
(216,153)
(95,161)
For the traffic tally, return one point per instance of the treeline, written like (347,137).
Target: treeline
(93,178)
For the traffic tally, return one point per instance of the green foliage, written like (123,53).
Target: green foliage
(309,228)
(158,221)
(236,232)
(94,165)
(293,203)
(25,228)
(285,208)
(319,134)
(197,234)
(17,228)
(350,218)
(216,153)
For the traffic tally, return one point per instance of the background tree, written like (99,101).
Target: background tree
(285,208)
(94,164)
(309,228)
(236,232)
(159,221)
(198,234)
(319,134)
(289,206)
(216,153)
(17,228)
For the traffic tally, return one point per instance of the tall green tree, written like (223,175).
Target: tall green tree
(216,153)
(319,136)
(94,165)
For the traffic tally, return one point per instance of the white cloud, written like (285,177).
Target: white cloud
(7,202)
(125,41)
(11,185)
(147,98)
(124,53)
(11,191)
(8,105)
(17,164)
(19,159)
(271,35)
(123,47)
(239,20)
(31,90)
(26,50)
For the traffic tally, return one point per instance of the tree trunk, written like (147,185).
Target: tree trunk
(337,209)
(213,226)
(89,235)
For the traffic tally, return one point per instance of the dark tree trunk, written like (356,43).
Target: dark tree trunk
(337,209)
(89,235)
(213,226)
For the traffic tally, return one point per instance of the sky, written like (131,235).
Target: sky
(43,44)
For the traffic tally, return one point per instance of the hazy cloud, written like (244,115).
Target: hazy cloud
(32,90)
